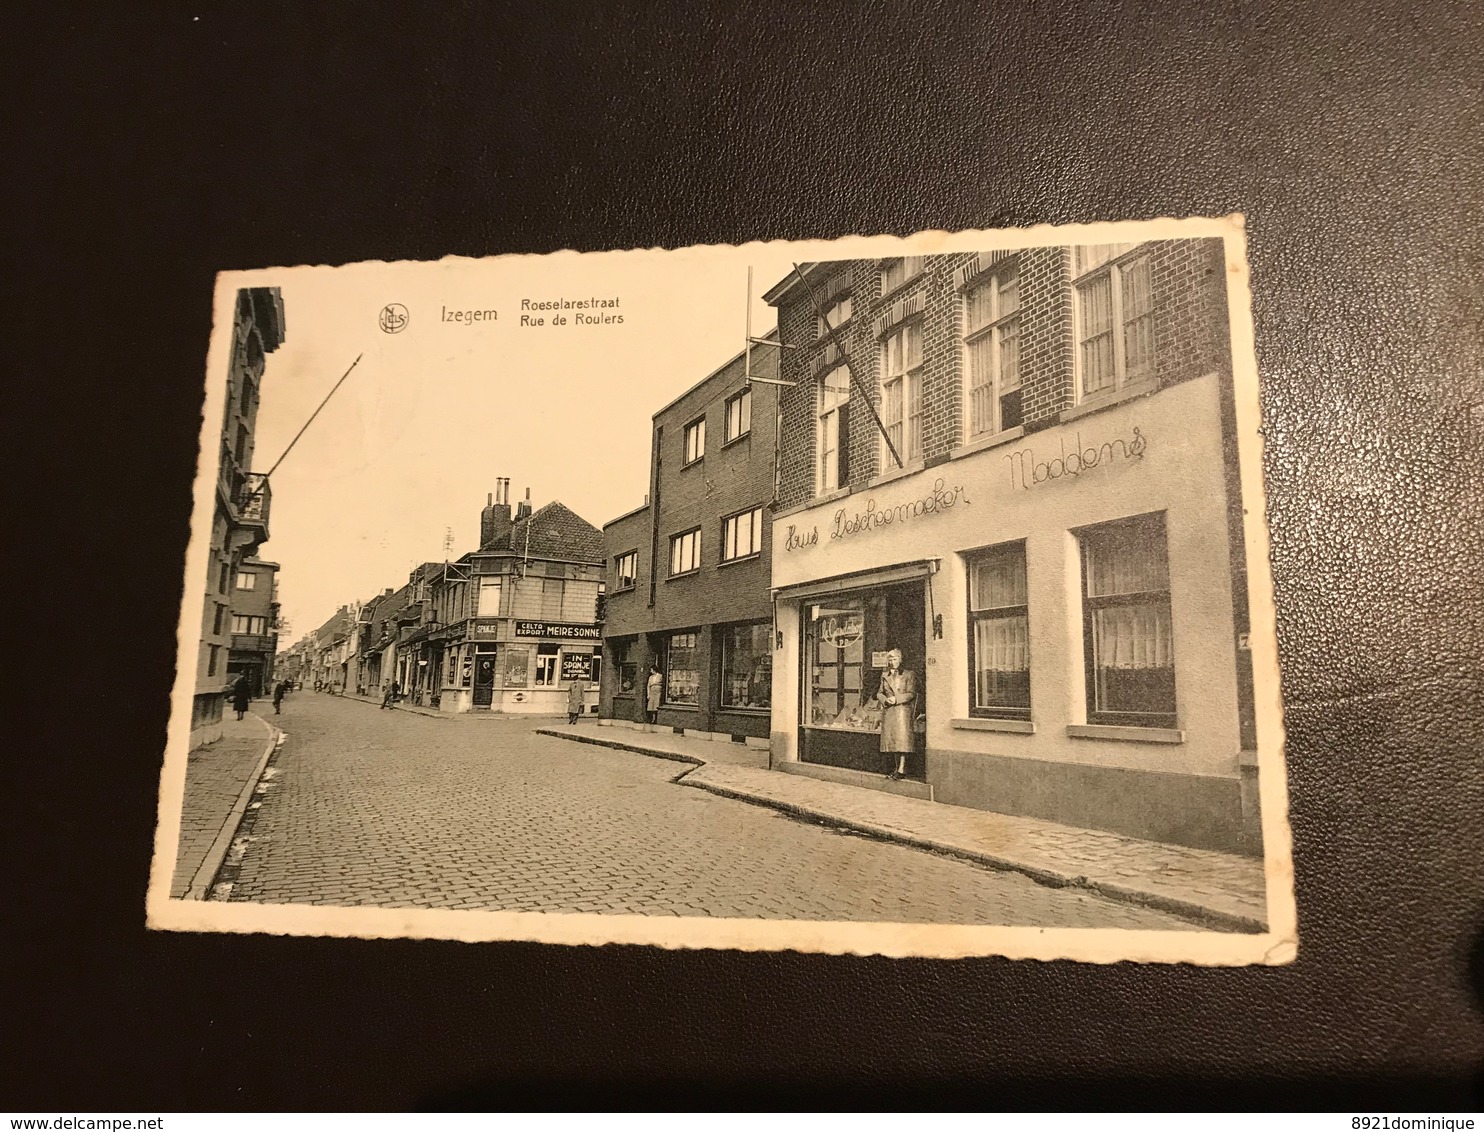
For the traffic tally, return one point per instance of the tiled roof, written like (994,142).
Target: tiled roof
(556,531)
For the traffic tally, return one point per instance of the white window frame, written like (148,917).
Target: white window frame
(742,425)
(694,442)
(998,326)
(899,271)
(488,584)
(830,399)
(840,310)
(1113,263)
(620,581)
(742,535)
(685,547)
(907,414)
(247,579)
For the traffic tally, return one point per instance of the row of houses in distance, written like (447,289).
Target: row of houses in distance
(506,627)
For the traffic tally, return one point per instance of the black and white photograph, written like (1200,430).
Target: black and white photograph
(883,596)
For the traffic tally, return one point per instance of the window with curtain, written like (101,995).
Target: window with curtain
(1127,630)
(832,436)
(999,633)
(1115,318)
(895,272)
(683,669)
(901,392)
(992,348)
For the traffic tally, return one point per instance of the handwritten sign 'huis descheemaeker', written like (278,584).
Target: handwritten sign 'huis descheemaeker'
(1025,471)
(871,516)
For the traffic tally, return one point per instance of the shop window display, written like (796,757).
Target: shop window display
(746,667)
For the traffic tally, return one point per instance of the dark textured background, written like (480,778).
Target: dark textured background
(149,150)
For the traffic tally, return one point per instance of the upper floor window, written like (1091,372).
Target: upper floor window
(489,597)
(999,633)
(832,431)
(742,535)
(245,623)
(1127,631)
(626,570)
(1115,318)
(992,347)
(685,552)
(901,391)
(247,580)
(695,440)
(739,414)
(835,315)
(895,272)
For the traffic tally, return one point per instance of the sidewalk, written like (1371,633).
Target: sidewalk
(1219,890)
(219,781)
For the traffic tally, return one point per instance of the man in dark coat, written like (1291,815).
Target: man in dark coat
(279,691)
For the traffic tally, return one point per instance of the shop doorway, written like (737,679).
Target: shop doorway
(845,642)
(484,679)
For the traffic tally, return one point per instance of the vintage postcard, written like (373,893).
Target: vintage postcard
(881,596)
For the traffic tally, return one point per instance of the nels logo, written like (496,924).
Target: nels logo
(393,318)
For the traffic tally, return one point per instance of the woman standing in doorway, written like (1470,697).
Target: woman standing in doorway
(652,695)
(898,694)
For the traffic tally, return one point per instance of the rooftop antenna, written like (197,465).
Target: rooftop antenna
(447,544)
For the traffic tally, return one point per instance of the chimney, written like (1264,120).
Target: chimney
(523,511)
(494,520)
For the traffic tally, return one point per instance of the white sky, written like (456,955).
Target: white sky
(418,434)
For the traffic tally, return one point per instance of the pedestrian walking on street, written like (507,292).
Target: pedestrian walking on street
(652,695)
(391,694)
(279,691)
(898,692)
(574,701)
(241,696)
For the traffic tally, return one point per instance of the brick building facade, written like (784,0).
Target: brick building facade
(688,572)
(1054,546)
(254,641)
(242,504)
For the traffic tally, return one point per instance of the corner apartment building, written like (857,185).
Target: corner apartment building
(510,625)
(243,501)
(1046,523)
(688,572)
(254,624)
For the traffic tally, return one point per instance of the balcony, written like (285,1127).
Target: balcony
(254,500)
(254,642)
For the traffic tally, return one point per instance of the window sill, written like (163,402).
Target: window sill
(900,289)
(744,710)
(992,440)
(686,574)
(622,590)
(679,707)
(1107,400)
(1125,734)
(753,557)
(1017,726)
(693,463)
(910,468)
(738,439)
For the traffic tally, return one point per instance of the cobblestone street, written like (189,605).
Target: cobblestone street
(370,807)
